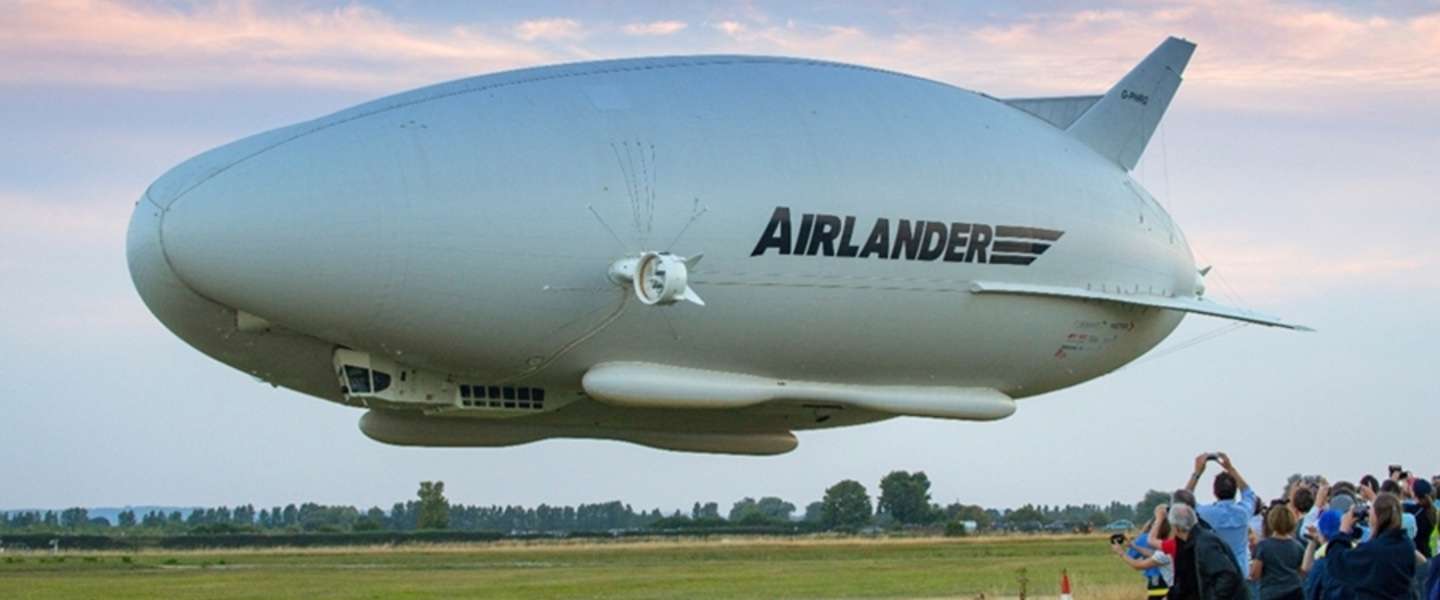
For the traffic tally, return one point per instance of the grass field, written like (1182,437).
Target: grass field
(713,568)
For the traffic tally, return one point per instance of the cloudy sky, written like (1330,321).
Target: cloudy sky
(1302,156)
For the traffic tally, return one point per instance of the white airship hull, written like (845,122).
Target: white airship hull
(465,233)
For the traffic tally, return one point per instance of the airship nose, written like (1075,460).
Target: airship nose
(257,226)
(180,230)
(168,296)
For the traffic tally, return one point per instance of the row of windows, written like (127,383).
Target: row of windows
(502,404)
(498,392)
(498,396)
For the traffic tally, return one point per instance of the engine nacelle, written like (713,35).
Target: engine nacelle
(657,277)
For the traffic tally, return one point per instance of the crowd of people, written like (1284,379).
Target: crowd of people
(1317,541)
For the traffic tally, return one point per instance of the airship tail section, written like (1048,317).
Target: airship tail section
(1120,124)
(1060,111)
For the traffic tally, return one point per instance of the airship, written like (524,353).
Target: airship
(695,253)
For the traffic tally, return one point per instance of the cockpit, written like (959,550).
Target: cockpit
(365,377)
(362,381)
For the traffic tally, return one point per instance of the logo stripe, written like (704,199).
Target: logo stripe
(1010,259)
(1020,247)
(1028,233)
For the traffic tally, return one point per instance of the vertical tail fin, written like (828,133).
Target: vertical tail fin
(1120,125)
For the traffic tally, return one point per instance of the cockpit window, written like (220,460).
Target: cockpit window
(359,379)
(382,380)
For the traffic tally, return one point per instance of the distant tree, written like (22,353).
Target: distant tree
(846,506)
(1026,517)
(174,519)
(1096,520)
(243,515)
(51,520)
(434,508)
(1145,509)
(404,516)
(373,520)
(775,509)
(742,508)
(126,518)
(812,511)
(906,497)
(1119,510)
(24,520)
(74,518)
(970,512)
(708,510)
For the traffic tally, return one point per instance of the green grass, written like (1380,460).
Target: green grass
(734,568)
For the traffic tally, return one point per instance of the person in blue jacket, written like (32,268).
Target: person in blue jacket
(1380,568)
(1318,583)
(1432,591)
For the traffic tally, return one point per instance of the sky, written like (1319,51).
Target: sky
(1300,157)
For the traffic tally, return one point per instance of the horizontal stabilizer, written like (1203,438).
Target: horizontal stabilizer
(1120,124)
(1190,305)
(1060,111)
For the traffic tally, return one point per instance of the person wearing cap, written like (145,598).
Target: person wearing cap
(1319,585)
(1342,499)
(1381,568)
(1228,516)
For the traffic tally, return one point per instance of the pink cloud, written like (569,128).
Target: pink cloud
(731,28)
(1255,54)
(238,43)
(1269,270)
(549,29)
(655,28)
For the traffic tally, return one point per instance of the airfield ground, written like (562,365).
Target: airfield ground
(711,568)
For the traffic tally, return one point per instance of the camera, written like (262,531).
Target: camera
(1117,539)
(1361,510)
(1213,457)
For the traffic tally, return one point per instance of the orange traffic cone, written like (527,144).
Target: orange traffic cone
(1065,585)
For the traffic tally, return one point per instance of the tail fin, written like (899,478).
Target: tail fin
(1119,125)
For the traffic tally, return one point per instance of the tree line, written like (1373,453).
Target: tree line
(903,501)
